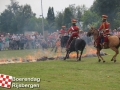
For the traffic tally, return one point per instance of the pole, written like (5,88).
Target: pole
(42,19)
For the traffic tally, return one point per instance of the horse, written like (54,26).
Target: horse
(56,45)
(63,41)
(77,45)
(60,43)
(114,43)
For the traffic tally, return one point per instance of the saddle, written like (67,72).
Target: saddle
(106,42)
(102,42)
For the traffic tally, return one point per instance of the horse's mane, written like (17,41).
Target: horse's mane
(96,32)
(93,28)
(90,33)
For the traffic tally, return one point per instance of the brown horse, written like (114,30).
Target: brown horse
(114,43)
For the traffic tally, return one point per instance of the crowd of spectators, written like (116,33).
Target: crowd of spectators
(20,41)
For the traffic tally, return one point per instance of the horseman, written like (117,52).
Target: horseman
(62,31)
(103,32)
(74,30)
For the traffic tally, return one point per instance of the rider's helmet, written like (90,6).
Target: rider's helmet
(74,21)
(104,17)
(63,26)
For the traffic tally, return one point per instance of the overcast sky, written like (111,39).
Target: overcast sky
(58,5)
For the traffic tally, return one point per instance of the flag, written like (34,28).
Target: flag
(5,80)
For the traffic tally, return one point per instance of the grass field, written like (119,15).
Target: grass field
(87,74)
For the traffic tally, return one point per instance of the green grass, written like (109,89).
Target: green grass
(87,74)
(17,53)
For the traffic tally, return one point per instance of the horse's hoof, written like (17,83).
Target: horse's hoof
(99,60)
(103,61)
(114,61)
(78,60)
(64,59)
(67,57)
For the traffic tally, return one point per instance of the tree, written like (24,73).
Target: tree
(51,18)
(108,7)
(50,15)
(15,17)
(33,24)
(59,19)
(67,17)
(90,19)
(105,6)
(6,21)
(25,14)
(117,20)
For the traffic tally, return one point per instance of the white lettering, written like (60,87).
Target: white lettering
(17,85)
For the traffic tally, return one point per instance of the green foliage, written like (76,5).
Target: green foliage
(108,7)
(33,24)
(117,20)
(80,10)
(23,17)
(90,19)
(67,17)
(50,15)
(19,18)
(59,20)
(6,21)
(51,19)
(14,18)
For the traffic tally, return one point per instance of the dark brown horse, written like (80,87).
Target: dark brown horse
(114,43)
(77,45)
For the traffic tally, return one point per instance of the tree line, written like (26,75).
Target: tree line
(19,18)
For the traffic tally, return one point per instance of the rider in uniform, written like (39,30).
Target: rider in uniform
(103,31)
(62,31)
(74,30)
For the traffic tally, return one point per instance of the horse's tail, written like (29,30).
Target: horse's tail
(119,41)
(118,44)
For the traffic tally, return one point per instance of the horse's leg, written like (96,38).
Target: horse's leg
(56,49)
(80,55)
(61,49)
(52,49)
(77,54)
(99,56)
(117,52)
(67,55)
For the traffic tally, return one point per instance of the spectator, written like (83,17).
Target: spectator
(7,41)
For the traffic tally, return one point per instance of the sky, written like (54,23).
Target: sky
(58,5)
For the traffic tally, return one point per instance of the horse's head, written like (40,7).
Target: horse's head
(92,31)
